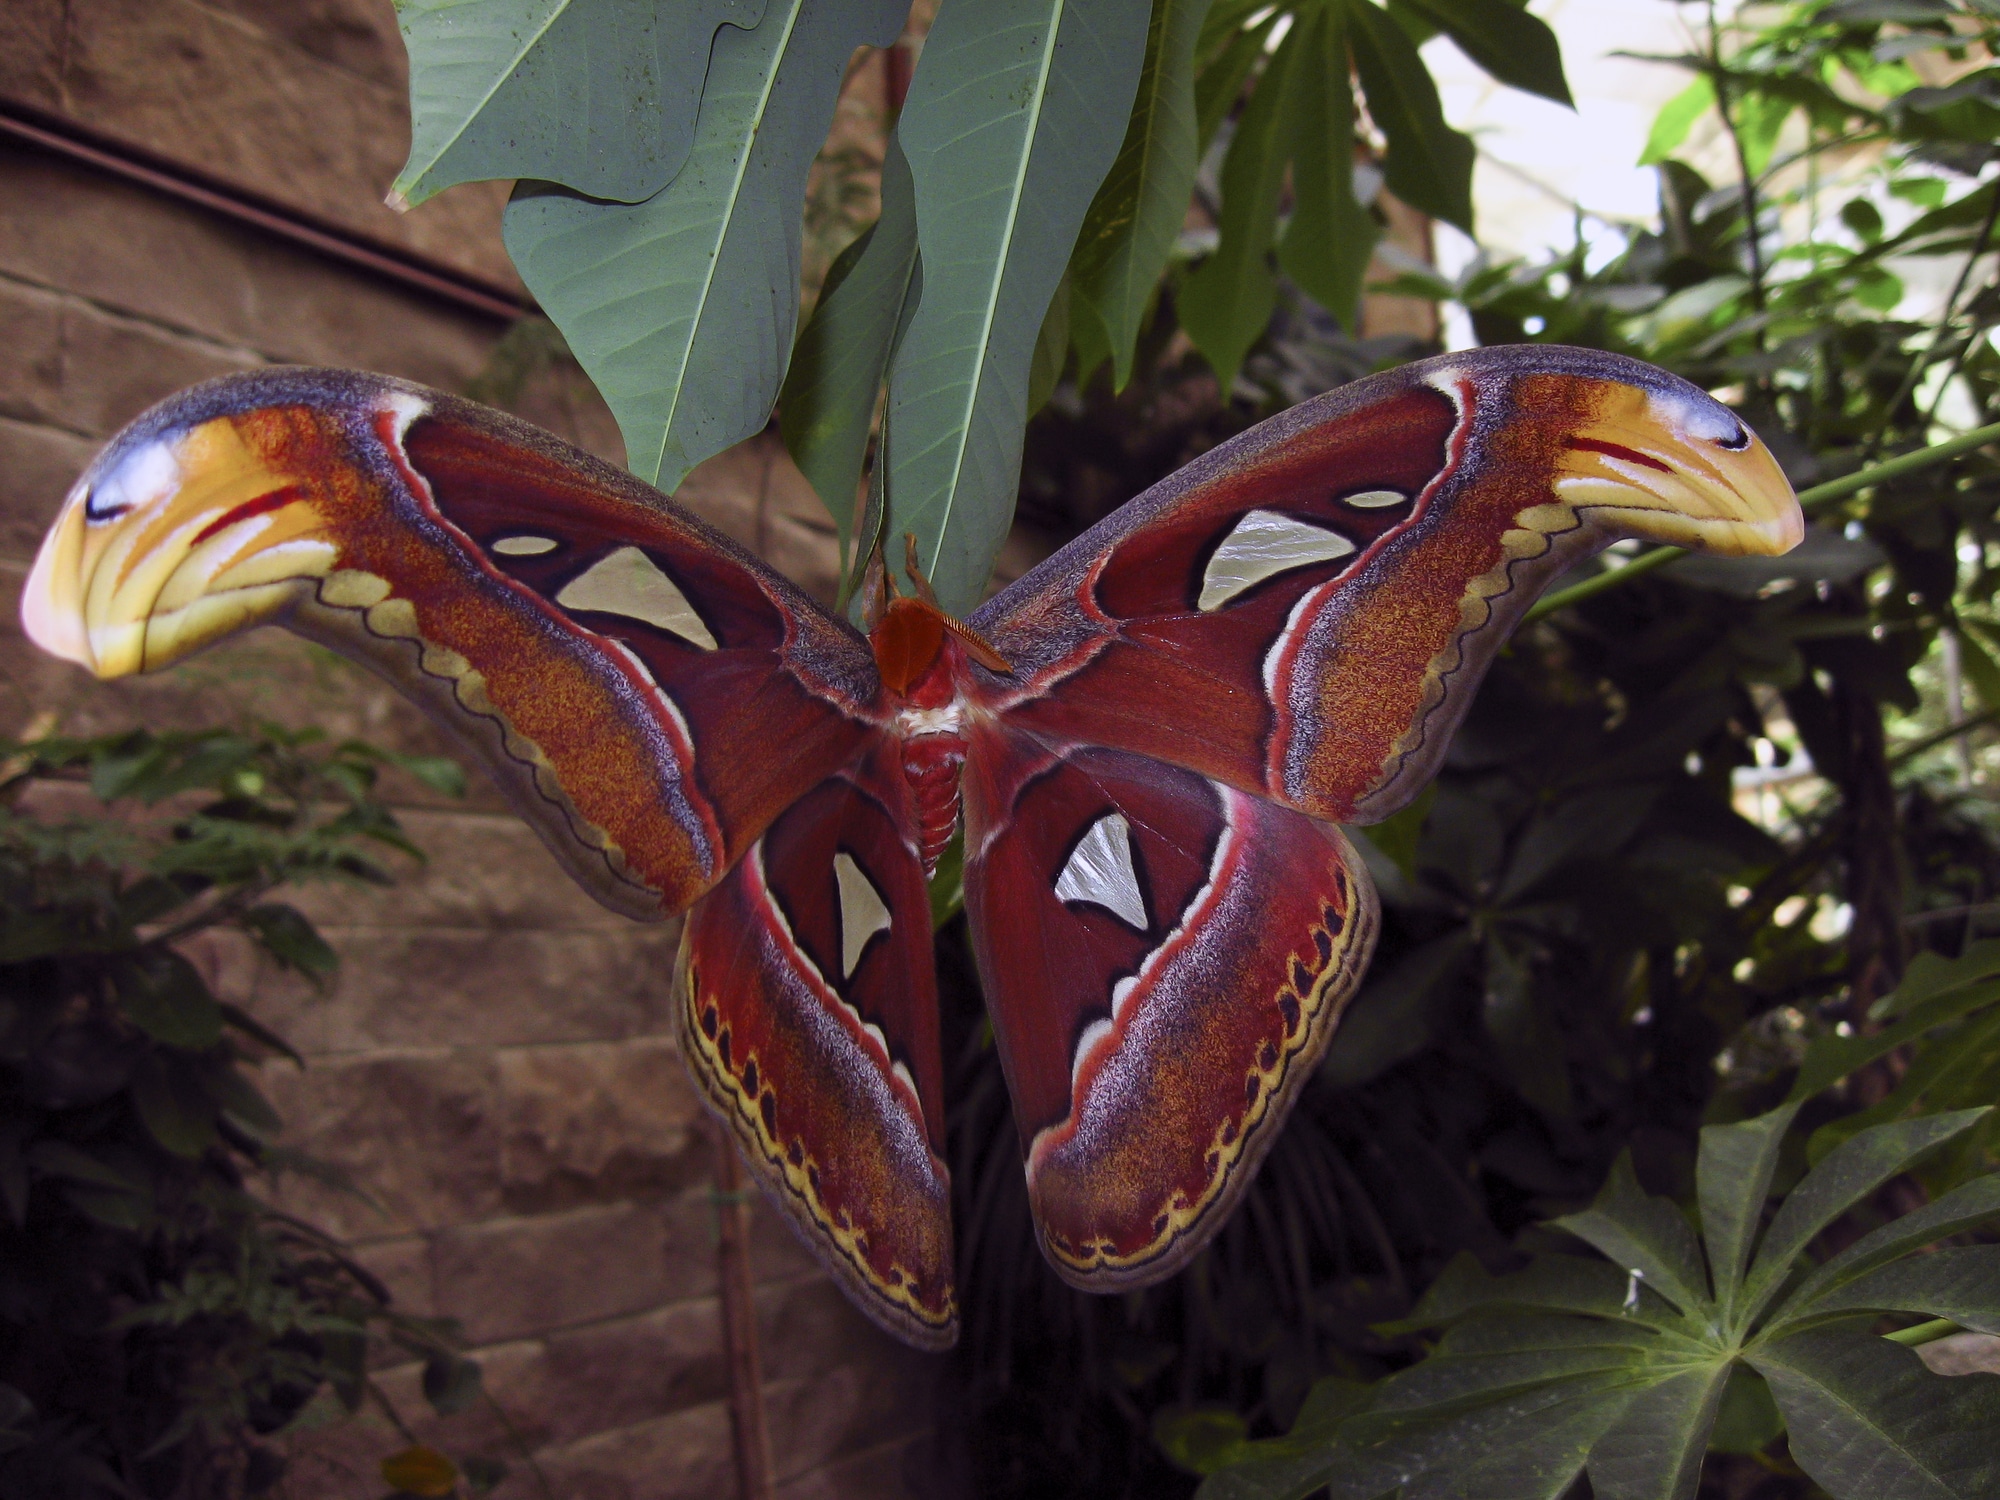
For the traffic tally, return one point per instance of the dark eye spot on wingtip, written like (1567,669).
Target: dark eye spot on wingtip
(1737,441)
(96,514)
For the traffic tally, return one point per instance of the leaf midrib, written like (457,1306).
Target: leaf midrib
(726,218)
(963,427)
(513,66)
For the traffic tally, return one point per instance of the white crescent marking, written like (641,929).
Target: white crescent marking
(629,583)
(525,546)
(1100,871)
(863,913)
(1263,544)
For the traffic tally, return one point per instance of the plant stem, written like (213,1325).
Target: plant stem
(1816,498)
(1917,367)
(1923,1333)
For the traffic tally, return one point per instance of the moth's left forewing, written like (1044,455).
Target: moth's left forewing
(1164,958)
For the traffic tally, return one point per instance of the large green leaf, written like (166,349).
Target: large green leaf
(1646,1236)
(1732,1180)
(682,307)
(1428,164)
(1654,1450)
(827,406)
(599,95)
(1137,213)
(1331,239)
(1506,41)
(1849,1174)
(1869,1422)
(1014,116)
(1227,302)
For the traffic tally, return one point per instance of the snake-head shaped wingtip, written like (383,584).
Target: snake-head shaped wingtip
(204,516)
(1666,461)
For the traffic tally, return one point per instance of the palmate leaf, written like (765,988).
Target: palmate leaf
(599,95)
(1015,114)
(682,308)
(1428,164)
(1515,47)
(1551,1372)
(1331,239)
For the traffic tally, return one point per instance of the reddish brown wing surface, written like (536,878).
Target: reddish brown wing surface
(650,695)
(1304,612)
(1164,959)
(673,717)
(808,1009)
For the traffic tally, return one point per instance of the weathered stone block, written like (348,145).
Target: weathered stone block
(685,1456)
(895,1469)
(482,871)
(508,1277)
(413,1130)
(848,1410)
(31,377)
(65,228)
(114,367)
(38,464)
(596,1122)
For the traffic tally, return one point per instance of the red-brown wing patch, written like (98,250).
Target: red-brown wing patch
(808,1011)
(1164,960)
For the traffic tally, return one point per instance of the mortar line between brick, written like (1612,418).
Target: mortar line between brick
(207,341)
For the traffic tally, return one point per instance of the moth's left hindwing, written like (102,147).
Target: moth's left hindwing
(807,1006)
(621,669)
(1165,958)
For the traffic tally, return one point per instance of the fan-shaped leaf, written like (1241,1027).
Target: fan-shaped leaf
(1428,164)
(1646,1236)
(1732,1179)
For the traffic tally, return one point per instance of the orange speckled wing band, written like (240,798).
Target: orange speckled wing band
(619,667)
(1304,612)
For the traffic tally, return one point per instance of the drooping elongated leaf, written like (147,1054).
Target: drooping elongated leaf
(599,95)
(1732,1180)
(1227,302)
(1932,974)
(1332,236)
(1137,213)
(1867,1421)
(1014,116)
(1849,1173)
(1428,164)
(1644,1235)
(1226,53)
(1961,1284)
(1550,1283)
(1676,118)
(1831,1058)
(682,308)
(1654,1450)
(1515,47)
(827,406)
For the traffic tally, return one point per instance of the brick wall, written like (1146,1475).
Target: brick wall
(494,1066)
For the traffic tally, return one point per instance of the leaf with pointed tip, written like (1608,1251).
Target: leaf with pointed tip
(1654,1450)
(1138,211)
(1850,1173)
(682,308)
(1643,1234)
(1732,1180)
(1515,47)
(1867,1421)
(1014,116)
(1550,1283)
(827,406)
(598,95)
(1831,1058)
(1428,164)
(1227,302)
(1331,239)
(1961,1284)
(1974,1204)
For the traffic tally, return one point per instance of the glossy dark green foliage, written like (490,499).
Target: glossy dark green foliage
(156,1319)
(1619,1367)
